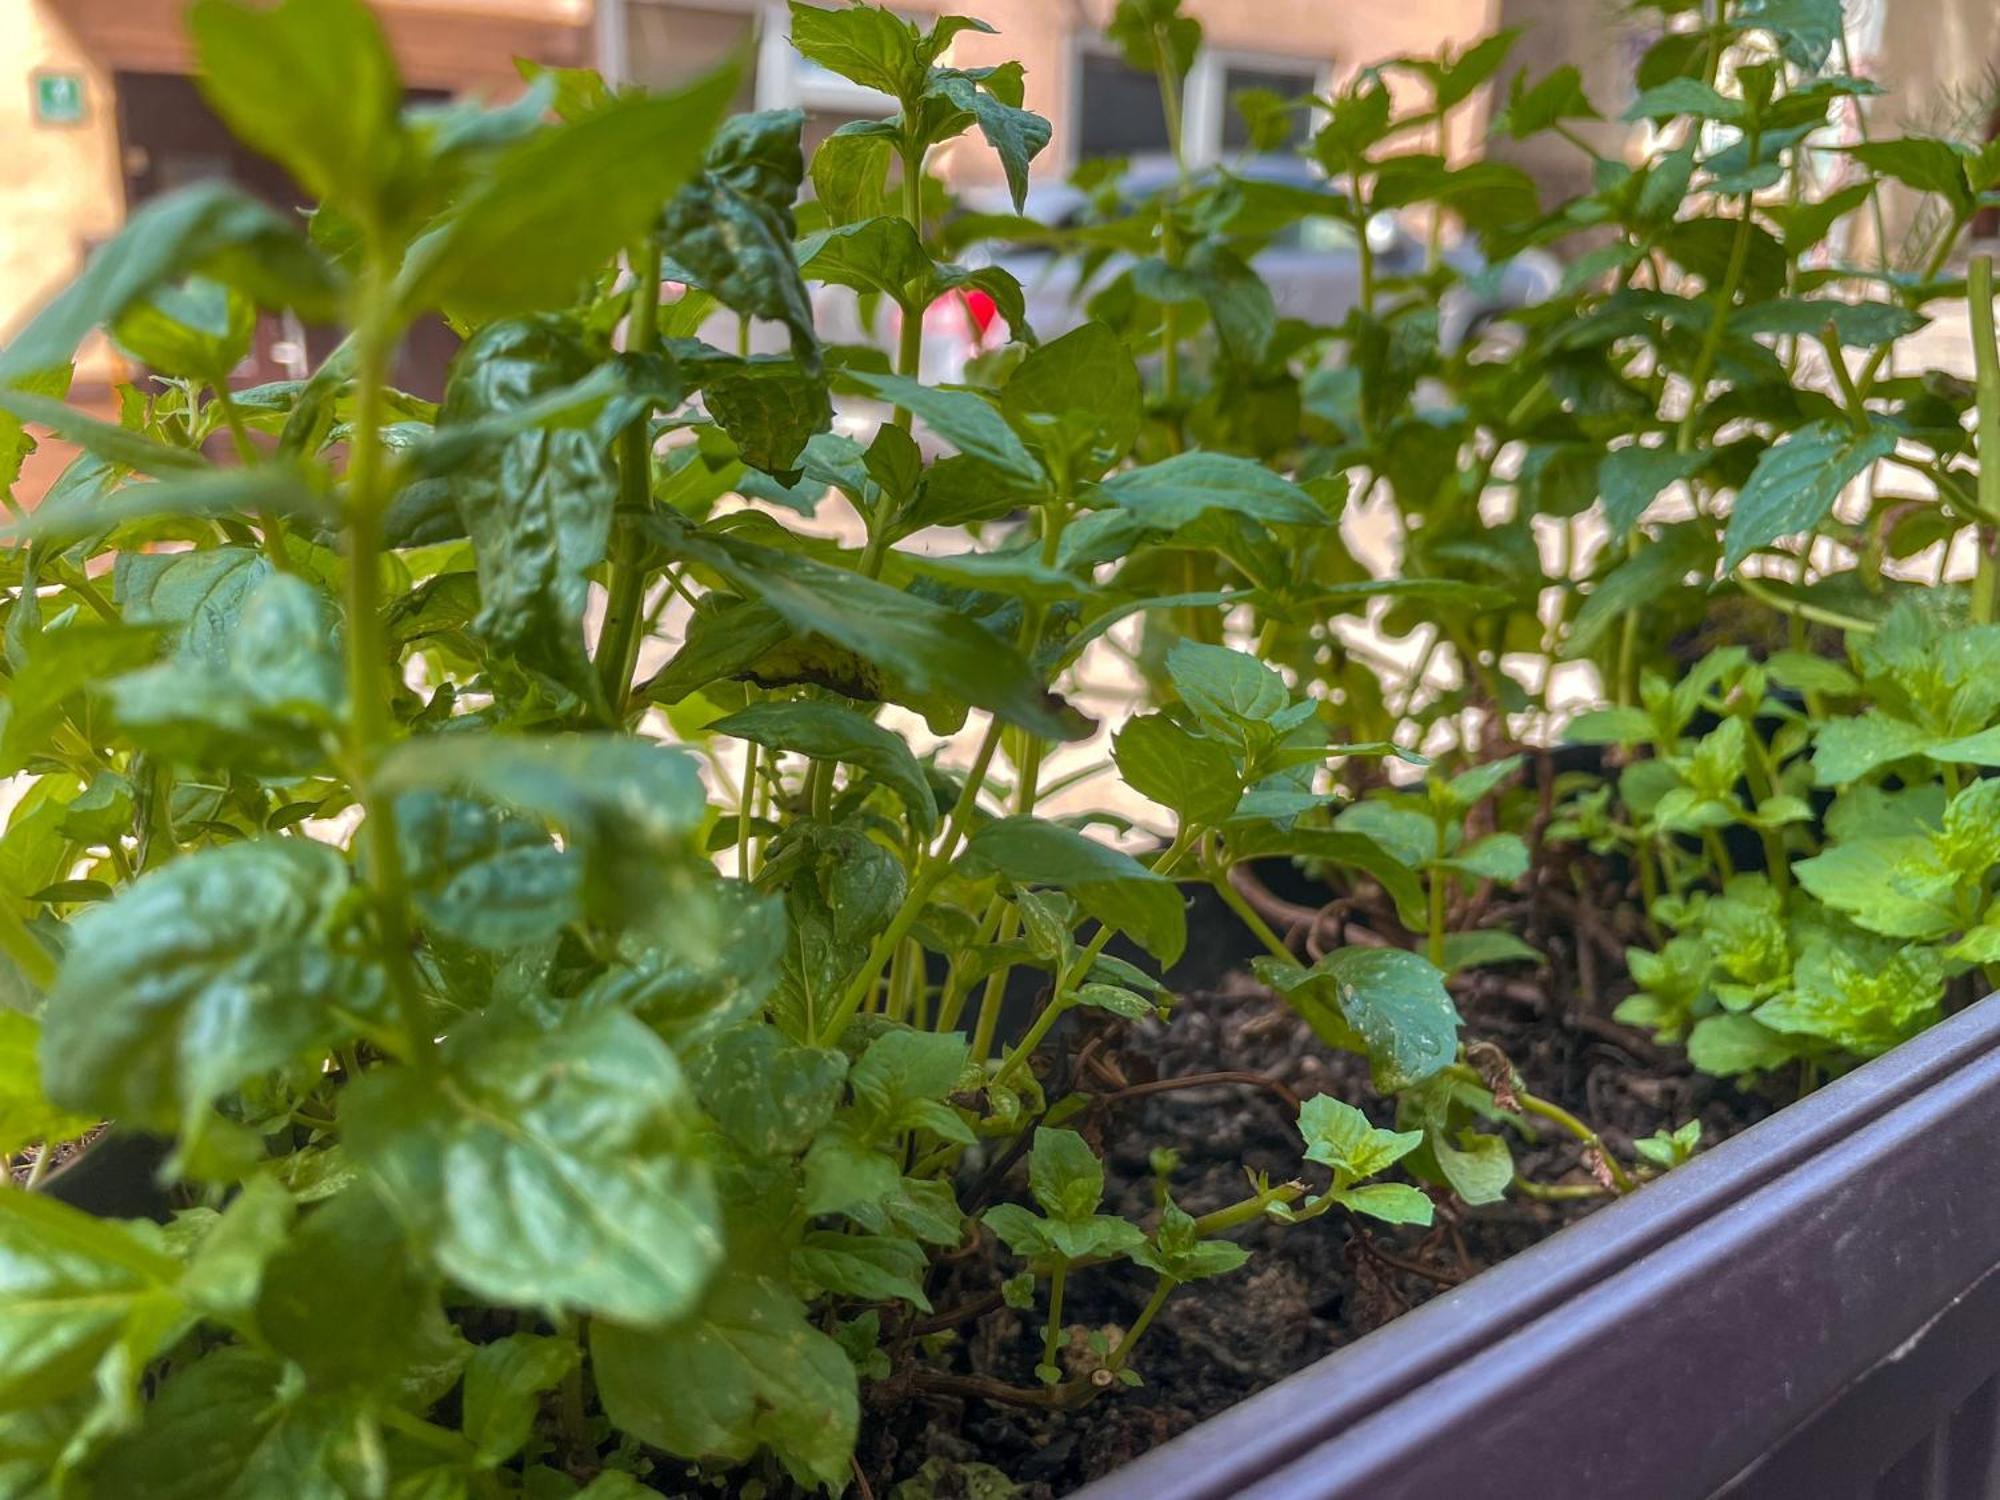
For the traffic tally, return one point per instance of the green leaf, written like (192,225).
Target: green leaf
(1471,950)
(270,705)
(770,406)
(347,1302)
(1887,885)
(1179,1255)
(1076,400)
(900,1081)
(1729,1046)
(211,228)
(1796,482)
(60,664)
(731,229)
(632,810)
(1923,163)
(850,171)
(1631,479)
(537,505)
(232,1427)
(106,440)
(1229,691)
(1177,491)
(1016,135)
(503,1387)
(873,1267)
(770,1096)
(1386,1002)
(1064,1174)
(967,421)
(1196,778)
(826,731)
(1845,750)
(1558,97)
(1339,1136)
(747,1370)
(481,877)
(1479,1167)
(84,1296)
(198,330)
(1391,1202)
(882,254)
(197,977)
(1498,856)
(560,204)
(1111,885)
(26,1115)
(551,1169)
(309,83)
(864,43)
(923,647)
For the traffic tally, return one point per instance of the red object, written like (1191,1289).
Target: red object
(979,307)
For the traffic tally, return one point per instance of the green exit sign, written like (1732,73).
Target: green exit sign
(58,98)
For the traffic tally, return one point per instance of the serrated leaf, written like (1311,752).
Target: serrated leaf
(79,1291)
(553,1169)
(504,1382)
(1796,482)
(967,421)
(196,977)
(1179,490)
(745,1370)
(1111,885)
(1389,1003)
(1196,778)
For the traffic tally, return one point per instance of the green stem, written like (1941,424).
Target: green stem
(1439,892)
(1052,1334)
(1162,1289)
(1555,1114)
(1259,928)
(1071,978)
(1248,1211)
(744,810)
(618,645)
(369,681)
(1986,358)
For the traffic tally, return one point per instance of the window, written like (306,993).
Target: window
(1117,107)
(1118,110)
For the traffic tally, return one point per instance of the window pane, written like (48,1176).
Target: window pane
(670,46)
(1285,83)
(1120,112)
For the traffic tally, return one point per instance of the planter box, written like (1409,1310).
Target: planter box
(1812,1309)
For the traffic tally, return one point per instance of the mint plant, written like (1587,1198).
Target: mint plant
(543,1028)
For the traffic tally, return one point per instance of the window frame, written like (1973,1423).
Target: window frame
(1204,94)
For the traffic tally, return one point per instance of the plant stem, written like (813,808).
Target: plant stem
(1248,1211)
(1986,358)
(1555,1114)
(744,810)
(1162,1290)
(370,727)
(1052,1334)
(618,643)
(1259,928)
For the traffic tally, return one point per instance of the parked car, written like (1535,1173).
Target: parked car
(1312,265)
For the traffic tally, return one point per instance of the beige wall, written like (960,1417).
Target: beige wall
(59,184)
(1341,35)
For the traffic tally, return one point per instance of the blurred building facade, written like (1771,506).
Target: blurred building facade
(99,113)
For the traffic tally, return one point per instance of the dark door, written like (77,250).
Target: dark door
(169,138)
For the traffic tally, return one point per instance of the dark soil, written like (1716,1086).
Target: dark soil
(1308,1289)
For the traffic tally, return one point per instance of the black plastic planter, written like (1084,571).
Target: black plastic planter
(1811,1311)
